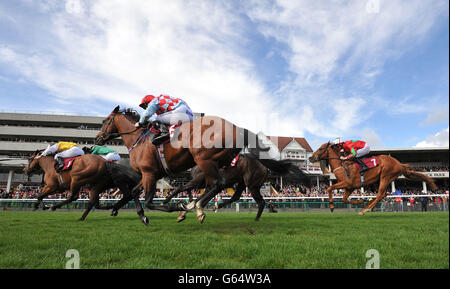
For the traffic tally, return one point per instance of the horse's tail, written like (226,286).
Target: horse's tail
(416,176)
(279,167)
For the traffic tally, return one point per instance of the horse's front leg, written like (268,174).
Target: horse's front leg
(46,191)
(149,186)
(347,193)
(330,189)
(73,196)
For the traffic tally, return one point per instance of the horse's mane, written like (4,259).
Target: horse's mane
(130,113)
(36,153)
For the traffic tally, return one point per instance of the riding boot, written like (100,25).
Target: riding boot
(363,166)
(158,138)
(59,164)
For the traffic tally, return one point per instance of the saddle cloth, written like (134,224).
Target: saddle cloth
(233,162)
(371,162)
(68,162)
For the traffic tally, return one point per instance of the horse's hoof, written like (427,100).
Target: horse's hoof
(35,209)
(114,213)
(80,220)
(332,210)
(361,213)
(53,208)
(45,208)
(181,216)
(145,220)
(201,218)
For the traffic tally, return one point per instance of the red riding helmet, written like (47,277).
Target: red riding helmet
(147,99)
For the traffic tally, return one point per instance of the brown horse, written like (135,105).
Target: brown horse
(388,170)
(86,170)
(209,142)
(248,172)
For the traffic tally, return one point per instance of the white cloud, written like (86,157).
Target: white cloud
(440,139)
(119,51)
(330,41)
(372,138)
(438,115)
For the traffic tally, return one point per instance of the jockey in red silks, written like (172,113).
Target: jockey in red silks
(164,110)
(354,150)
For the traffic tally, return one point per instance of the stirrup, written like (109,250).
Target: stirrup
(158,139)
(58,165)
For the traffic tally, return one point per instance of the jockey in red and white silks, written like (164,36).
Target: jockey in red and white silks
(164,109)
(354,149)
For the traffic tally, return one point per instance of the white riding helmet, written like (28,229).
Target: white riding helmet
(337,141)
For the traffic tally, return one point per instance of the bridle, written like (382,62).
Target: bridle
(105,136)
(320,158)
(29,171)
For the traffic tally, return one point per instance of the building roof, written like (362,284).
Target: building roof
(282,142)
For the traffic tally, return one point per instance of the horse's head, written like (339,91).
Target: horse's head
(33,163)
(108,129)
(321,153)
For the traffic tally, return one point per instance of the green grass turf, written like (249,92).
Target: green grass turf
(225,240)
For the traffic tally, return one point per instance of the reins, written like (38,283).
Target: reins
(108,136)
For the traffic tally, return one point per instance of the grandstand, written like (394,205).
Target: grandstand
(23,133)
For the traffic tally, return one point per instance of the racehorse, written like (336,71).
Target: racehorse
(209,142)
(86,170)
(388,170)
(248,172)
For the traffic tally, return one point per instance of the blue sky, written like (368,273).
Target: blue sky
(375,70)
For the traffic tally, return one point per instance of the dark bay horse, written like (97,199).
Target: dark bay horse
(248,172)
(388,170)
(86,170)
(209,142)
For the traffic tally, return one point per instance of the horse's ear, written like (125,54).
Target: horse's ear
(116,109)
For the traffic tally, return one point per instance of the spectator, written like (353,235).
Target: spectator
(271,207)
(424,202)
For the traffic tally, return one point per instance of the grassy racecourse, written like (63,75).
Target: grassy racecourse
(225,240)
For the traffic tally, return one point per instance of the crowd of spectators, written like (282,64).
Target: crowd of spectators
(274,190)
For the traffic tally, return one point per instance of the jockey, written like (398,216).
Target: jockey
(103,151)
(354,150)
(62,150)
(165,110)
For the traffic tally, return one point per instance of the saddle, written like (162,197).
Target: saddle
(370,162)
(65,164)
(160,133)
